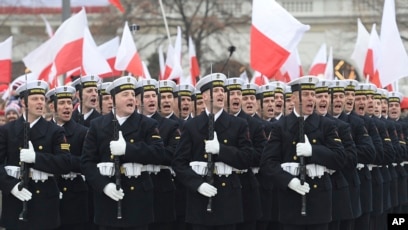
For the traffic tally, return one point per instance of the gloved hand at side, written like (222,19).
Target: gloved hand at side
(207,190)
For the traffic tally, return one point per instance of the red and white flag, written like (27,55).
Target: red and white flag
(194,67)
(372,60)
(244,76)
(394,59)
(127,57)
(93,62)
(319,62)
(361,46)
(161,62)
(173,68)
(329,70)
(109,50)
(118,5)
(146,71)
(292,68)
(48,28)
(17,82)
(259,79)
(62,52)
(274,34)
(6,48)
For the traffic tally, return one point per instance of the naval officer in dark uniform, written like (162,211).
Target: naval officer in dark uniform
(164,188)
(47,155)
(337,95)
(341,200)
(250,187)
(87,93)
(139,144)
(322,149)
(74,203)
(230,149)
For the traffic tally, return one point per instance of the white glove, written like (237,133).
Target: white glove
(212,146)
(118,147)
(304,149)
(28,155)
(23,195)
(295,185)
(111,191)
(207,190)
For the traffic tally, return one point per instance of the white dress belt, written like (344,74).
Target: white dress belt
(130,169)
(220,168)
(312,170)
(35,175)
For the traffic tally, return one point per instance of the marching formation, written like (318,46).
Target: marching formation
(224,155)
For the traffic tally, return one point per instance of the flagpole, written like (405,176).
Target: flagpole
(165,21)
(66,13)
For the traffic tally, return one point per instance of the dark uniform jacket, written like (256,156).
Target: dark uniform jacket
(389,157)
(375,126)
(327,150)
(235,150)
(402,173)
(164,188)
(365,155)
(376,177)
(143,146)
(76,117)
(250,186)
(345,182)
(178,120)
(52,156)
(74,202)
(269,192)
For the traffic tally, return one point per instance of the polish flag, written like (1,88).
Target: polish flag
(319,62)
(48,28)
(244,76)
(17,82)
(292,68)
(62,52)
(109,50)
(259,79)
(173,68)
(394,59)
(146,71)
(194,67)
(274,34)
(5,60)
(329,71)
(161,62)
(118,5)
(361,46)
(185,80)
(127,57)
(372,59)
(93,62)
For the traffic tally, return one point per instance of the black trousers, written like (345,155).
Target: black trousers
(305,227)
(248,225)
(119,228)
(220,227)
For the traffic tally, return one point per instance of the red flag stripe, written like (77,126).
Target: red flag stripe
(266,62)
(5,71)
